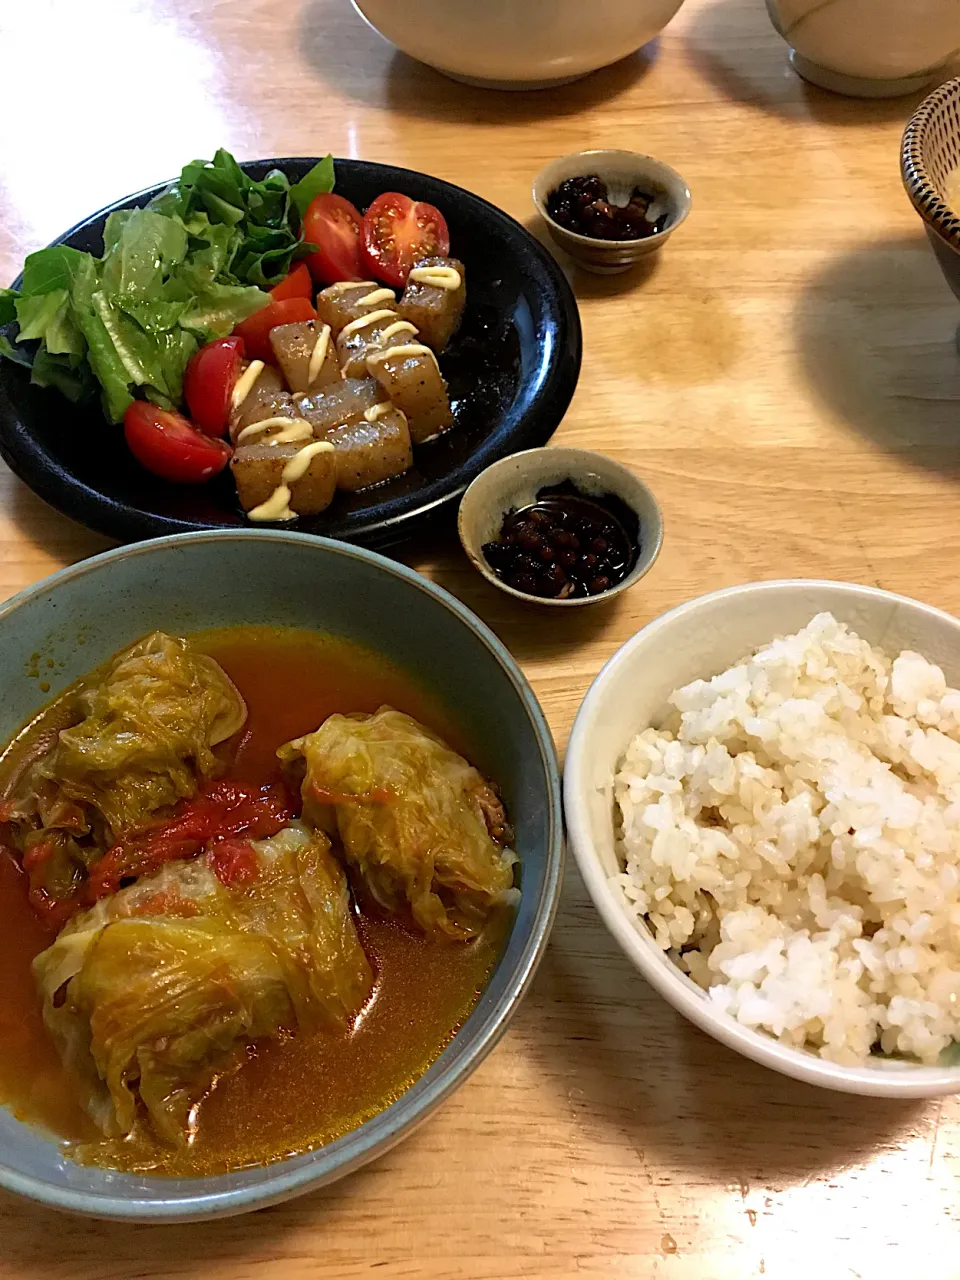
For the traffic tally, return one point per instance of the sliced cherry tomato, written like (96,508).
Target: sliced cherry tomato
(255,330)
(298,284)
(333,225)
(398,232)
(169,446)
(209,381)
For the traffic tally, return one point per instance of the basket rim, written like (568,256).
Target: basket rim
(923,193)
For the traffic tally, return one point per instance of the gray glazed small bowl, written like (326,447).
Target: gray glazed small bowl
(514,482)
(79,617)
(621,171)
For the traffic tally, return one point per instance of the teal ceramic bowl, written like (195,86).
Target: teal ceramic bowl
(81,616)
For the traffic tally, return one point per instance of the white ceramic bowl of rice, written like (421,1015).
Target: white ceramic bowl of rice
(762,791)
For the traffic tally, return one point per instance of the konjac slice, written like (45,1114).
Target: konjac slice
(338,305)
(307,354)
(434,299)
(411,379)
(264,387)
(258,470)
(342,402)
(362,337)
(369,452)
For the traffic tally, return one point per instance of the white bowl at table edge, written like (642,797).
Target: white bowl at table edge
(698,639)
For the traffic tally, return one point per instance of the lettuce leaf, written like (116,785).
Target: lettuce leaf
(199,259)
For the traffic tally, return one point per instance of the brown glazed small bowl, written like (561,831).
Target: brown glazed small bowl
(514,482)
(621,171)
(929,157)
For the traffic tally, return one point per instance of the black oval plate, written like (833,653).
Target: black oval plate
(512,370)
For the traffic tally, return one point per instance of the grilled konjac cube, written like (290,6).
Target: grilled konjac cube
(355,345)
(411,378)
(347,401)
(268,397)
(280,411)
(370,452)
(435,311)
(258,472)
(341,303)
(303,348)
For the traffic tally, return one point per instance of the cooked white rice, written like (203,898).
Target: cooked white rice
(791,835)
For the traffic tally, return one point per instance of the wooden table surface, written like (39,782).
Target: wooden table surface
(785,378)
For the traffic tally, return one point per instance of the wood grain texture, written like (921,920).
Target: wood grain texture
(786,380)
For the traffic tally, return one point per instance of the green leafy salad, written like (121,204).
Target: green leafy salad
(199,259)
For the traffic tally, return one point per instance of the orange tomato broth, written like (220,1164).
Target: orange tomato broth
(294,1094)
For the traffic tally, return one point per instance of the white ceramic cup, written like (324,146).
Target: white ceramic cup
(869,48)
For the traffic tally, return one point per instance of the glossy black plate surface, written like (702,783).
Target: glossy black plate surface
(512,370)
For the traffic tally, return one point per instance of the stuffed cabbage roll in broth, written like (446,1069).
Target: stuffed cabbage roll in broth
(419,824)
(140,737)
(265,906)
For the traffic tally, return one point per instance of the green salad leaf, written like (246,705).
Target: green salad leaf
(187,269)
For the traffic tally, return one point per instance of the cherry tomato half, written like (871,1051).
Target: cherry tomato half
(333,225)
(208,383)
(255,330)
(398,232)
(169,446)
(298,284)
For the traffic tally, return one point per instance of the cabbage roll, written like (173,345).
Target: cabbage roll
(156,991)
(142,737)
(418,823)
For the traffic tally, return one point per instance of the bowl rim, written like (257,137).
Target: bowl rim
(641,949)
(557,366)
(645,560)
(379,1134)
(924,196)
(683,210)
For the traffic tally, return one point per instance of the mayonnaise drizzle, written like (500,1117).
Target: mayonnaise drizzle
(288,436)
(377,411)
(378,295)
(245,384)
(298,465)
(277,506)
(318,354)
(439,277)
(401,326)
(409,349)
(343,285)
(362,321)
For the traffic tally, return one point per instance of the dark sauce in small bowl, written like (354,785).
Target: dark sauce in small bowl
(583,205)
(566,545)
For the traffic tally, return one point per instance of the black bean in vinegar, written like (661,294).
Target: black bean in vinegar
(566,544)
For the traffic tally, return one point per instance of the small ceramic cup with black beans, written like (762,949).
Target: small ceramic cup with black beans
(589,199)
(560,527)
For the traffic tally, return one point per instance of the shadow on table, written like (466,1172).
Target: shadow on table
(342,50)
(876,336)
(584,283)
(41,1245)
(627,1061)
(736,47)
